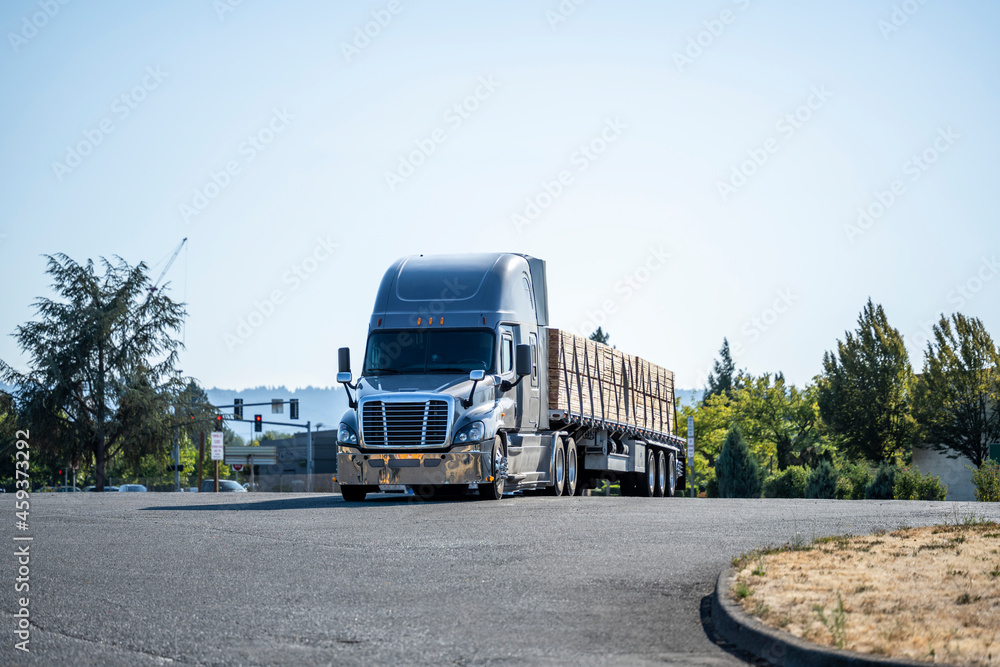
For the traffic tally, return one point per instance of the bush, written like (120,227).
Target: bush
(987,482)
(906,483)
(789,483)
(822,481)
(854,479)
(737,469)
(911,485)
(882,487)
(931,488)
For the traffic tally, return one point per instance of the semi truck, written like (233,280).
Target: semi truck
(464,386)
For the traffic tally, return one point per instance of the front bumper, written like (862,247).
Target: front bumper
(458,466)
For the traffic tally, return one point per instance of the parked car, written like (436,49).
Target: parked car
(106,488)
(68,489)
(132,488)
(225,485)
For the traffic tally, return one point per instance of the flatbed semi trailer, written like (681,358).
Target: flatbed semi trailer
(464,383)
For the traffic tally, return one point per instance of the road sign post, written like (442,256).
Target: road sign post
(690,435)
(217,454)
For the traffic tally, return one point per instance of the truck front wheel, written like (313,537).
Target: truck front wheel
(498,470)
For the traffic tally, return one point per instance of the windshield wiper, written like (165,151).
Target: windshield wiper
(382,370)
(448,370)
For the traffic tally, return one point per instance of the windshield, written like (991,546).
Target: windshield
(429,351)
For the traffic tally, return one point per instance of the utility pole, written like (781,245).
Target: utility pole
(201,457)
(309,457)
(177,458)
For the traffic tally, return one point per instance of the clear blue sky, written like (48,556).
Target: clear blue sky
(667,120)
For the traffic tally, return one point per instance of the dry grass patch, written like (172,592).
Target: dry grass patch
(928,594)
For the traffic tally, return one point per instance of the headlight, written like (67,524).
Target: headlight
(346,435)
(471,432)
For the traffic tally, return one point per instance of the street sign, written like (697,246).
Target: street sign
(265,455)
(237,467)
(217,450)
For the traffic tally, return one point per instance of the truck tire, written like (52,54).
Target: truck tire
(571,468)
(498,470)
(647,482)
(558,468)
(661,474)
(671,489)
(353,493)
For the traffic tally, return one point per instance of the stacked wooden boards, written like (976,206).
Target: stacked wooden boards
(597,382)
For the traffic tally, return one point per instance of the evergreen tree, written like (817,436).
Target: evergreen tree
(958,394)
(101,380)
(724,376)
(736,469)
(600,336)
(822,481)
(865,390)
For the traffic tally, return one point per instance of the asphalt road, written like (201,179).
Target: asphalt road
(152,578)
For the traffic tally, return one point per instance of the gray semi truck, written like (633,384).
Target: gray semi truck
(464,386)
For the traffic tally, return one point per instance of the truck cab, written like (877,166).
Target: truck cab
(451,390)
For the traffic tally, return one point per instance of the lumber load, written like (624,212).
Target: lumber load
(598,382)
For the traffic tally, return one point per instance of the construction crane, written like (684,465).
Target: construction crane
(170,263)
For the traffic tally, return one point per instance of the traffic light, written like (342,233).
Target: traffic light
(293,407)
(258,425)
(238,409)
(218,422)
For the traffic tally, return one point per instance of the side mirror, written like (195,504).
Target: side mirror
(344,378)
(522,360)
(344,362)
(477,376)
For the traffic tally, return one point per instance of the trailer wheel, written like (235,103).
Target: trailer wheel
(494,490)
(661,474)
(671,489)
(558,468)
(353,493)
(648,487)
(571,463)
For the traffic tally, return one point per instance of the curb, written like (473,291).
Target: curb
(776,646)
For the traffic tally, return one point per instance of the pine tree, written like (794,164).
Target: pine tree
(865,390)
(724,376)
(600,336)
(957,401)
(822,481)
(736,469)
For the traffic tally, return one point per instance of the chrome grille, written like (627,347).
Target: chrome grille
(410,424)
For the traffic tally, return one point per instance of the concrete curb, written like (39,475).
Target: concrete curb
(776,646)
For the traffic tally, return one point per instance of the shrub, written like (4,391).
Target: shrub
(931,488)
(882,487)
(905,484)
(822,481)
(737,469)
(911,485)
(853,481)
(987,482)
(789,483)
